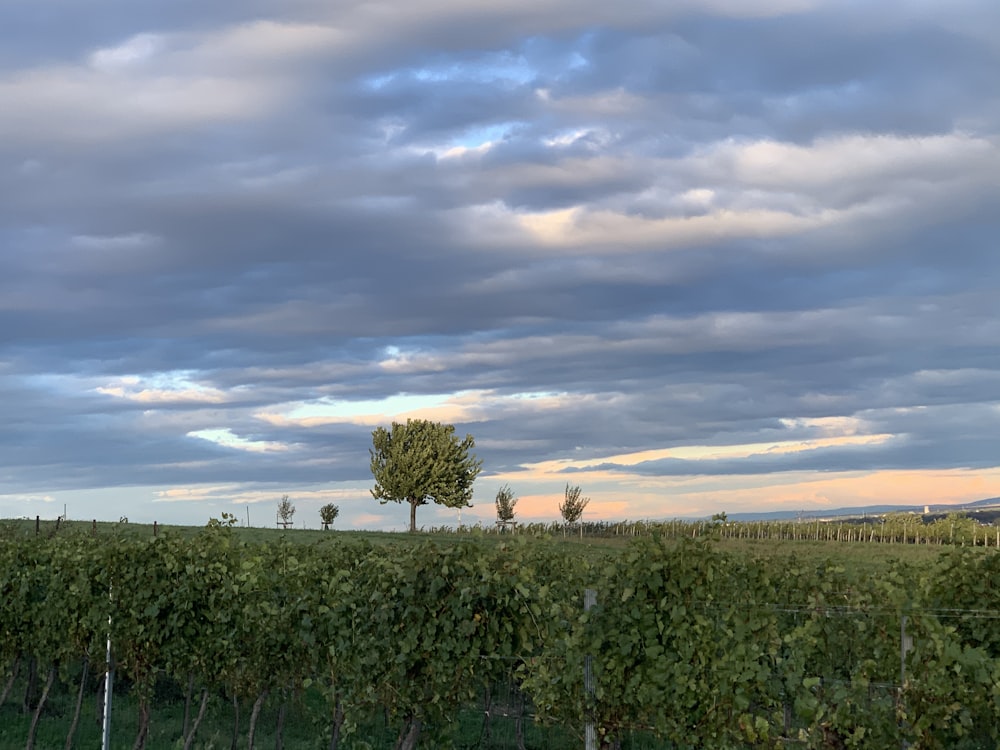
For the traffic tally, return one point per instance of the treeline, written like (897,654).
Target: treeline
(696,646)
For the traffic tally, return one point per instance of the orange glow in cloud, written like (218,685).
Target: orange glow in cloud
(619,496)
(538,507)
(545,508)
(456,408)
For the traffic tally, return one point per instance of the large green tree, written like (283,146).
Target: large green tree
(420,461)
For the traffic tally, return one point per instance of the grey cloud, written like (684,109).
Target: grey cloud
(278,248)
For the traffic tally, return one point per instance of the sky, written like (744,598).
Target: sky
(693,257)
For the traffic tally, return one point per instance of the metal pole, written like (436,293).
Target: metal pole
(590,736)
(108,689)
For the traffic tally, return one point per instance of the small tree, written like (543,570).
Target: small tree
(285,512)
(328,514)
(420,461)
(505,502)
(572,506)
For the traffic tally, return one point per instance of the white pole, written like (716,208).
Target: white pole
(108,686)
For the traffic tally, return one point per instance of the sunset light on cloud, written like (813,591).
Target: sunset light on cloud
(714,256)
(162,390)
(462,407)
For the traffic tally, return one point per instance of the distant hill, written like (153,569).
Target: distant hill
(865,510)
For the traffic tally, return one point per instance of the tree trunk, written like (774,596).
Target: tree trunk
(254,715)
(236,723)
(189,737)
(29,690)
(413,515)
(484,736)
(519,721)
(15,670)
(38,709)
(140,738)
(409,735)
(71,735)
(187,705)
(279,730)
(102,685)
(338,722)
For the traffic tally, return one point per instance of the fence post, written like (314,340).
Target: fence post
(590,737)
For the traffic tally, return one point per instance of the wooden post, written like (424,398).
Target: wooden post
(590,736)
(38,523)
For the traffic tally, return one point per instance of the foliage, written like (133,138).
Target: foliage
(505,502)
(703,647)
(679,649)
(571,508)
(421,461)
(328,514)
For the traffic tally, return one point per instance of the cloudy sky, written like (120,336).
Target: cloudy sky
(698,256)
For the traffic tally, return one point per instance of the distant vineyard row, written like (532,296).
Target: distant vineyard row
(699,647)
(896,528)
(956,529)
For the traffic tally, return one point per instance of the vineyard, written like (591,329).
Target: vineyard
(895,528)
(485,641)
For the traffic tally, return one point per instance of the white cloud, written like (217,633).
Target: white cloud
(850,159)
(116,242)
(133,51)
(462,407)
(163,82)
(228,439)
(164,388)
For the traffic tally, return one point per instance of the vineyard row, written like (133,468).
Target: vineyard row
(700,647)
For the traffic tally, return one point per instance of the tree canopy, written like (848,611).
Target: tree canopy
(285,512)
(572,506)
(423,461)
(328,514)
(505,502)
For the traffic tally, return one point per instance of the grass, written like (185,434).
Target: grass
(861,556)
(166,724)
